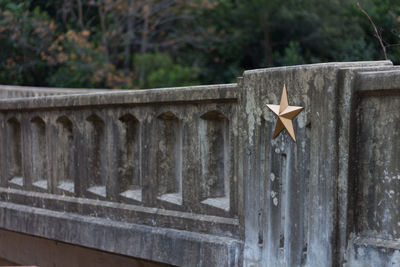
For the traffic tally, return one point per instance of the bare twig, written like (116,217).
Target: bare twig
(391,45)
(377,34)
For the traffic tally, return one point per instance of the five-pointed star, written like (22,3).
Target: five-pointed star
(285,114)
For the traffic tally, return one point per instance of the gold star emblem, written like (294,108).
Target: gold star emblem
(285,114)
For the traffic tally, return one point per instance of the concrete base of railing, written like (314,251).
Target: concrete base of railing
(176,247)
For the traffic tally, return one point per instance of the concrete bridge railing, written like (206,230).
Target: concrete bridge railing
(159,158)
(192,177)
(11,91)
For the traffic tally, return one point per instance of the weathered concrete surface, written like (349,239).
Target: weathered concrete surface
(181,248)
(292,191)
(9,91)
(191,176)
(119,171)
(375,159)
(371,252)
(350,82)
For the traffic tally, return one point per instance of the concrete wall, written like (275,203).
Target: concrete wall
(375,170)
(192,177)
(299,191)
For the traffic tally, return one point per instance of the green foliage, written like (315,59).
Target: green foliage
(67,78)
(81,64)
(24,35)
(117,43)
(292,55)
(159,70)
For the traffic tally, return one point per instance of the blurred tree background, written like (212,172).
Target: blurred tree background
(159,43)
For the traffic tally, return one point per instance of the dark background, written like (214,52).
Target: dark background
(160,43)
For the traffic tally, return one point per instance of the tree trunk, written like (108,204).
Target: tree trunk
(144,41)
(267,46)
(80,14)
(145,32)
(103,31)
(130,35)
